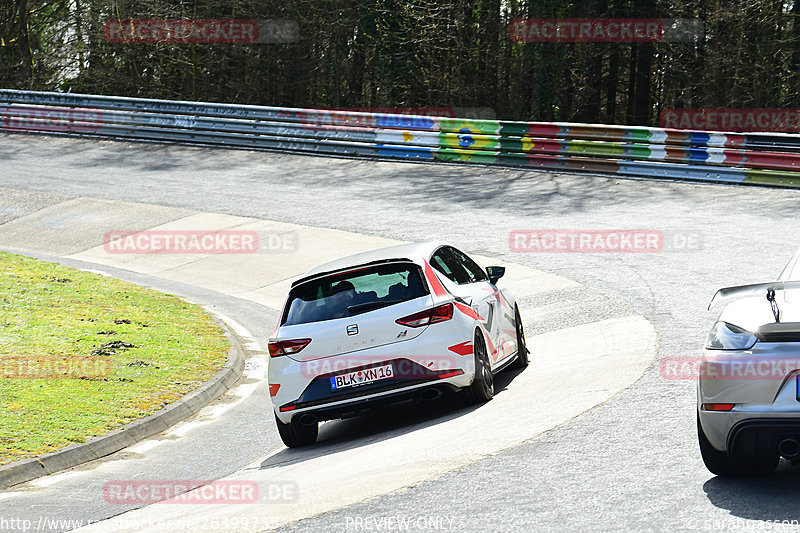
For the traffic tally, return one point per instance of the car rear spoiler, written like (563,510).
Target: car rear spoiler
(754,289)
(351,267)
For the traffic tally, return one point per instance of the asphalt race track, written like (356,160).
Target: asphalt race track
(630,463)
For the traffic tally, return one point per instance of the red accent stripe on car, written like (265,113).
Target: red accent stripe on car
(278,325)
(463,348)
(470,312)
(498,295)
(450,374)
(433,281)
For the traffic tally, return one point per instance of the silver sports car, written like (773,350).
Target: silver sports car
(748,393)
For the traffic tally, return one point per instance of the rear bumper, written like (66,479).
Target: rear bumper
(725,430)
(407,373)
(297,386)
(366,405)
(760,437)
(763,384)
(412,377)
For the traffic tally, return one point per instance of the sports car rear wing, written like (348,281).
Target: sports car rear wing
(754,289)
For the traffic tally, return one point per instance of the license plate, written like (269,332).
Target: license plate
(362,377)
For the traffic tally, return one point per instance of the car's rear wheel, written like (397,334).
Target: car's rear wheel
(482,387)
(723,465)
(522,350)
(296,434)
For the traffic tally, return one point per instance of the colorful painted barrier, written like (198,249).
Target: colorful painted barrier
(643,152)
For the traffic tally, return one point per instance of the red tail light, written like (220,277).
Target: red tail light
(440,313)
(278,348)
(717,406)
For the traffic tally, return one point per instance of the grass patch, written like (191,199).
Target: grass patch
(82,354)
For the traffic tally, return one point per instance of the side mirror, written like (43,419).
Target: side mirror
(495,273)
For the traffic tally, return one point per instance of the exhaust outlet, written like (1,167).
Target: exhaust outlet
(307,419)
(431,394)
(789,448)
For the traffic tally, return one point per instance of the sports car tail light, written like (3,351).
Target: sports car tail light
(717,406)
(440,313)
(724,336)
(278,348)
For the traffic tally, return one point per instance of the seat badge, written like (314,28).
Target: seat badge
(352,329)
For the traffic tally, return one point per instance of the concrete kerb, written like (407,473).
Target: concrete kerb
(20,472)
(138,430)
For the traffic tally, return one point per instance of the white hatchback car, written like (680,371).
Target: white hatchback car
(403,323)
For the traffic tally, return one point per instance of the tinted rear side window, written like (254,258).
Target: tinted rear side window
(474,271)
(354,292)
(446,263)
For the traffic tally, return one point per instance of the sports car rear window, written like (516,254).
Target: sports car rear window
(354,292)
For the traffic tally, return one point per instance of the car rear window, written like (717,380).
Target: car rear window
(354,292)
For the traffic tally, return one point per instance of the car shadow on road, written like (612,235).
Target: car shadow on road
(340,435)
(772,497)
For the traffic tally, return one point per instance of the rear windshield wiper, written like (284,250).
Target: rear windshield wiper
(377,304)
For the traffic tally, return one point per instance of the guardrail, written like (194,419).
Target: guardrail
(750,158)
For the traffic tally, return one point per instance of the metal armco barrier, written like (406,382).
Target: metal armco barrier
(750,158)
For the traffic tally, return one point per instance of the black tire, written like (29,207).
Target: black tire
(296,434)
(723,465)
(522,359)
(482,388)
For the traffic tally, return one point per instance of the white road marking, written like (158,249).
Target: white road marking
(142,447)
(256,368)
(100,272)
(234,325)
(185,427)
(56,478)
